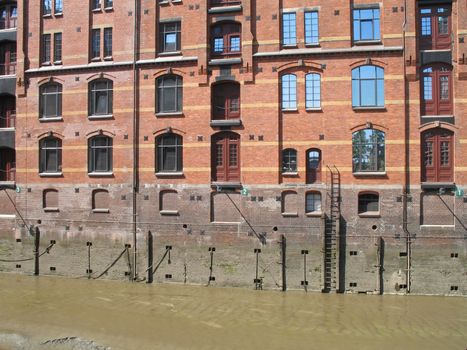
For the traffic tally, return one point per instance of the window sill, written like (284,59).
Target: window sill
(51,210)
(228,185)
(169,114)
(95,59)
(222,9)
(57,174)
(370,173)
(108,9)
(170,53)
(50,119)
(226,122)
(312,45)
(318,109)
(101,174)
(58,63)
(314,214)
(46,63)
(105,211)
(369,108)
(368,42)
(290,215)
(290,110)
(99,117)
(59,14)
(370,214)
(225,61)
(97,10)
(47,15)
(169,212)
(176,1)
(166,2)
(169,174)
(108,58)
(294,46)
(438,116)
(290,173)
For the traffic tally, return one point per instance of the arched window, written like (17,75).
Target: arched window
(100,154)
(289,92)
(226,101)
(368,86)
(313,202)
(50,200)
(100,201)
(225,157)
(368,203)
(226,39)
(313,166)
(100,97)
(289,161)
(169,97)
(436,87)
(50,103)
(368,147)
(313,91)
(50,155)
(169,153)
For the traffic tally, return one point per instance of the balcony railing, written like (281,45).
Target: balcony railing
(8,23)
(217,3)
(8,120)
(8,175)
(8,69)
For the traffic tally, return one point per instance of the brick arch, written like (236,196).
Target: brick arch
(307,66)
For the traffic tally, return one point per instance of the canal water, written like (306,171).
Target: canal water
(58,313)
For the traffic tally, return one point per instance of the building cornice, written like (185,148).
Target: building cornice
(320,51)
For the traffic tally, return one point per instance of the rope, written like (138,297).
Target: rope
(47,250)
(111,265)
(16,209)
(158,264)
(266,269)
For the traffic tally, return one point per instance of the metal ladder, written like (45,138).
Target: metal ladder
(331,231)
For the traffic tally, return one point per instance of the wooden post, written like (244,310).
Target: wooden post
(37,241)
(150,257)
(283,255)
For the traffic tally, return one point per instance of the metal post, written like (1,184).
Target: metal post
(304,282)
(89,244)
(37,241)
(150,257)
(258,282)
(283,255)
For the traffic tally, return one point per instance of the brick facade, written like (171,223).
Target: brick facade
(188,209)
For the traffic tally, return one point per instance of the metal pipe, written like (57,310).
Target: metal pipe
(150,257)
(37,241)
(283,256)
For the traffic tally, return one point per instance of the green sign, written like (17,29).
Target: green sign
(245,191)
(459,192)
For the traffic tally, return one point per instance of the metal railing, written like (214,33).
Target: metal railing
(8,120)
(8,23)
(8,68)
(8,175)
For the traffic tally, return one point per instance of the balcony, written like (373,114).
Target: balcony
(8,23)
(7,166)
(222,6)
(7,68)
(220,3)
(8,120)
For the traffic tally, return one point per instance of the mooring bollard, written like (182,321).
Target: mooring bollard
(37,241)
(150,258)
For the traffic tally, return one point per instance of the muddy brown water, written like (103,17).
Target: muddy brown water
(58,313)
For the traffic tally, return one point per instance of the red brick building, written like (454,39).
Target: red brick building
(339,124)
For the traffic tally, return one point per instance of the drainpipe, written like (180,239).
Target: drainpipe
(135,136)
(406,189)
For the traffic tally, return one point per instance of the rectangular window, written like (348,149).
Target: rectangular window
(96,4)
(366,25)
(313,202)
(45,48)
(57,47)
(170,37)
(96,43)
(47,7)
(58,7)
(108,4)
(107,42)
(289,30)
(311,28)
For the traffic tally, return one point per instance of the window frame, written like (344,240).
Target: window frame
(435,40)
(93,99)
(310,84)
(45,151)
(291,39)
(9,21)
(43,97)
(436,105)
(361,206)
(288,157)
(228,30)
(161,91)
(310,38)
(357,23)
(228,92)
(378,84)
(358,155)
(291,91)
(164,32)
(108,44)
(58,39)
(46,41)
(161,153)
(92,155)
(314,210)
